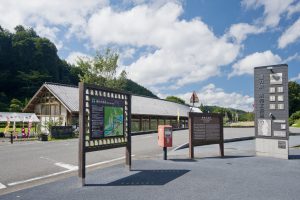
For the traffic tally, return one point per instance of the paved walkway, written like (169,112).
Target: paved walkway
(240,175)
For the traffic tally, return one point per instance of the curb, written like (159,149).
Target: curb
(186,145)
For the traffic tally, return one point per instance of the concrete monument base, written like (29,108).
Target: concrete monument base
(272,148)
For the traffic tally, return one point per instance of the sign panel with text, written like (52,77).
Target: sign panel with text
(205,128)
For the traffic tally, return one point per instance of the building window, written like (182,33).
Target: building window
(153,125)
(272,90)
(272,106)
(280,98)
(280,106)
(279,89)
(272,98)
(46,109)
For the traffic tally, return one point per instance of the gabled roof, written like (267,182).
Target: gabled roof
(69,97)
(65,94)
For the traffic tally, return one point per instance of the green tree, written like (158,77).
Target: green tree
(294,97)
(294,117)
(102,70)
(175,99)
(249,116)
(15,105)
(26,62)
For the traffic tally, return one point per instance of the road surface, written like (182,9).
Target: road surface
(25,164)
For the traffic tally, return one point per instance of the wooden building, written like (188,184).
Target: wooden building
(60,103)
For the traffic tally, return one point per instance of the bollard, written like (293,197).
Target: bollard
(11,138)
(165,153)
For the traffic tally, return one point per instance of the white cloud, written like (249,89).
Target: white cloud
(239,32)
(49,33)
(153,3)
(289,36)
(211,95)
(68,13)
(73,57)
(293,9)
(273,9)
(247,64)
(296,56)
(184,51)
(297,78)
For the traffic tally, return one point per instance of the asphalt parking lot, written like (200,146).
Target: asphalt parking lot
(240,175)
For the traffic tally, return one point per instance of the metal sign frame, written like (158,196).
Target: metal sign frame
(271,102)
(87,143)
(208,121)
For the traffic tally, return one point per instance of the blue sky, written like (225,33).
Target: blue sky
(173,47)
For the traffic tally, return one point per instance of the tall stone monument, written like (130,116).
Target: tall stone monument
(271,111)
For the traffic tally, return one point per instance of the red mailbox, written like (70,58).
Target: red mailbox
(165,135)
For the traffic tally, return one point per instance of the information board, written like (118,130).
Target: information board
(271,102)
(106,117)
(205,128)
(104,122)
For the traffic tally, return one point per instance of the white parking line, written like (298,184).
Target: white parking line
(70,168)
(2,186)
(39,178)
(108,161)
(67,166)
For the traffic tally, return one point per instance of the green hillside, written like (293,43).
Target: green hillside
(27,61)
(135,88)
(231,113)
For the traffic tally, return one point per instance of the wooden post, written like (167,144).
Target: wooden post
(222,138)
(128,145)
(82,159)
(191,147)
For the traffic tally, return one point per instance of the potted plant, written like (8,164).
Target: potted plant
(48,125)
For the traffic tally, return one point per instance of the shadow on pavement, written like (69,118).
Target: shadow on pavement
(294,157)
(147,177)
(294,153)
(228,157)
(183,160)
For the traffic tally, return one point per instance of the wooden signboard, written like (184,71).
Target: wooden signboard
(104,122)
(204,129)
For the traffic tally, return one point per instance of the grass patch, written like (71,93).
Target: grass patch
(296,124)
(240,124)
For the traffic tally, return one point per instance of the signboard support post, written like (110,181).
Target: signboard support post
(191,147)
(128,145)
(82,159)
(222,138)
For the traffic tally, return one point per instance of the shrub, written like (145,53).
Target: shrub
(294,117)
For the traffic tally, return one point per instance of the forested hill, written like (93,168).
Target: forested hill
(27,61)
(135,88)
(230,113)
